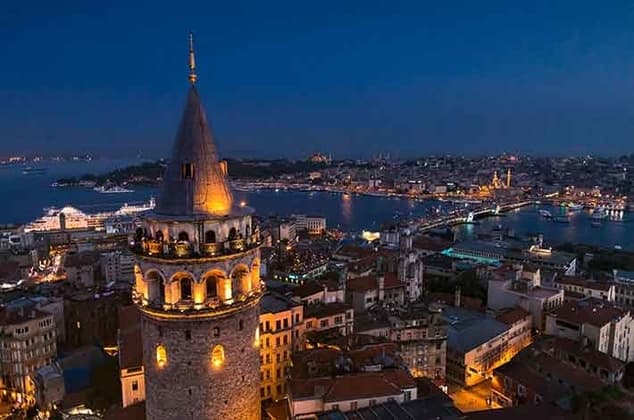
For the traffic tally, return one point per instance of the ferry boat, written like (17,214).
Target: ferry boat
(112,190)
(136,208)
(545,213)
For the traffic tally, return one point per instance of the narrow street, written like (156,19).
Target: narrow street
(472,399)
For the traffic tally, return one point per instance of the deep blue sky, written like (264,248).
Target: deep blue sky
(291,78)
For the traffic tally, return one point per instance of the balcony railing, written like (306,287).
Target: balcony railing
(211,304)
(185,249)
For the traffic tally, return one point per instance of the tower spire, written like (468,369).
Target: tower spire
(192,61)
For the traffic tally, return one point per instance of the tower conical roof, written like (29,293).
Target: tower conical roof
(194,182)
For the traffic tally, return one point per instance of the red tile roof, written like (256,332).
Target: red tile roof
(362,284)
(353,386)
(589,354)
(580,281)
(390,281)
(362,385)
(590,311)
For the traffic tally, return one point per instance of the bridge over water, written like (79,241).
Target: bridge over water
(452,220)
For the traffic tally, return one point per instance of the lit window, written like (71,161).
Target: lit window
(161,355)
(218,356)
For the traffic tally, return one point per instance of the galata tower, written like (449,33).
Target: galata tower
(198,284)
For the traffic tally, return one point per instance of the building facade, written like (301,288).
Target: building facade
(27,343)
(281,334)
(198,286)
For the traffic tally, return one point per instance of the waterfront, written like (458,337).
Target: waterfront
(25,196)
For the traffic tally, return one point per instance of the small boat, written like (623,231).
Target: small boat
(29,170)
(545,213)
(575,207)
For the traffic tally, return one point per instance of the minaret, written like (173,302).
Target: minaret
(496,181)
(197,285)
(508,178)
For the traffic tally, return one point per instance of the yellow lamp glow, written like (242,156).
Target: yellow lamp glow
(218,356)
(161,356)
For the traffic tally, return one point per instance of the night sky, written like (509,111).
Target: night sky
(289,78)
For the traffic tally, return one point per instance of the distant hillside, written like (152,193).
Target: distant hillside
(152,172)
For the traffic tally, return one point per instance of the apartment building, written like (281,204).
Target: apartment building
(367,291)
(607,327)
(578,287)
(27,342)
(281,332)
(477,344)
(117,266)
(326,379)
(132,373)
(509,287)
(338,317)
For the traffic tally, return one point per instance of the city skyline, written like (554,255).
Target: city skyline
(412,80)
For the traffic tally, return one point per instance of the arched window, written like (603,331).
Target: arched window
(159,236)
(183,236)
(212,286)
(210,237)
(138,234)
(156,288)
(247,230)
(232,234)
(161,355)
(186,289)
(218,356)
(242,280)
(256,342)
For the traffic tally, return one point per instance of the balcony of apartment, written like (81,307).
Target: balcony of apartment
(185,249)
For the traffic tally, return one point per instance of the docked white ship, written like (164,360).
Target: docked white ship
(71,218)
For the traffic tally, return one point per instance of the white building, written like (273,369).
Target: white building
(117,266)
(587,288)
(314,225)
(608,328)
(130,356)
(350,392)
(509,287)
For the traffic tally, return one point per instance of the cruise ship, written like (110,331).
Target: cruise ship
(69,217)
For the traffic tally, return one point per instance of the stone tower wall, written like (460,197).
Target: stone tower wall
(189,386)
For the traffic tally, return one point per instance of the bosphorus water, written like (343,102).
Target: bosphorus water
(25,196)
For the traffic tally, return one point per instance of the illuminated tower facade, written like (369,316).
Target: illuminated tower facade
(197,285)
